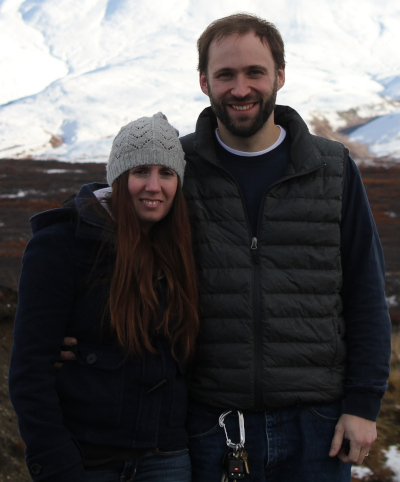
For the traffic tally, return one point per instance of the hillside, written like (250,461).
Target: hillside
(28,187)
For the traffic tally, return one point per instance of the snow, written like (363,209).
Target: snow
(392,456)
(82,69)
(392,301)
(360,472)
(393,461)
(382,135)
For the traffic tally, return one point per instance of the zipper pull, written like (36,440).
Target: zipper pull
(253,247)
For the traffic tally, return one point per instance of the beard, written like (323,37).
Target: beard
(242,129)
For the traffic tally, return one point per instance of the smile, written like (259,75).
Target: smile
(147,202)
(242,107)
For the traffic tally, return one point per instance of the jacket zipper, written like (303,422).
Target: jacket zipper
(258,399)
(257,318)
(257,305)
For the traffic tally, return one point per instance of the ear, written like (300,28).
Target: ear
(281,78)
(203,83)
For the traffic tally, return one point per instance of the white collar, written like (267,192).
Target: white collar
(281,138)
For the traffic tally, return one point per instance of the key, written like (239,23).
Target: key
(244,456)
(235,467)
(225,477)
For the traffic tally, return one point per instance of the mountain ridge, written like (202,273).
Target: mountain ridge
(80,70)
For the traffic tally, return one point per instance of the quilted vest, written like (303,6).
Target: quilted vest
(272,331)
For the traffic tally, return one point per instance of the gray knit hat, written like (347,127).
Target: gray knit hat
(148,140)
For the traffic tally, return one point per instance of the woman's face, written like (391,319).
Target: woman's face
(152,189)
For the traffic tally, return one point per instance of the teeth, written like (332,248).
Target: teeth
(242,107)
(151,203)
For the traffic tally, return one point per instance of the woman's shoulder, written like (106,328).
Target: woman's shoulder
(53,235)
(53,225)
(64,219)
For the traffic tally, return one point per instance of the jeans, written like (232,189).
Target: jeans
(152,466)
(283,445)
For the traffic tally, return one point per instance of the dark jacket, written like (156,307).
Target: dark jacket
(102,398)
(272,329)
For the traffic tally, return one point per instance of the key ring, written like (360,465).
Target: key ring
(229,443)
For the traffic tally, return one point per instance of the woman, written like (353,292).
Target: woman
(116,271)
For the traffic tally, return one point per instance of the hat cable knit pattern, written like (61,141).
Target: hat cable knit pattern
(146,141)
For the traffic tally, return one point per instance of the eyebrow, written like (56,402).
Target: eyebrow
(248,67)
(257,67)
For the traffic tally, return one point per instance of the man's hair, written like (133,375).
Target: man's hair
(241,24)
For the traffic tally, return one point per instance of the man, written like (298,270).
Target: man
(295,330)
(291,275)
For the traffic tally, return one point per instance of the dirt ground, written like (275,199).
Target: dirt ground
(12,462)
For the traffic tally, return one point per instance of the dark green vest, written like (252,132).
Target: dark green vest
(272,332)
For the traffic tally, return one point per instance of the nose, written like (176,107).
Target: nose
(153,182)
(240,87)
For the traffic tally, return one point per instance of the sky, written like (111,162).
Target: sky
(80,69)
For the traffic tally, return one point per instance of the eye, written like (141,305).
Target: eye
(224,75)
(138,171)
(168,173)
(256,73)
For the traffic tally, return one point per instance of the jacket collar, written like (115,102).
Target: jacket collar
(305,155)
(89,223)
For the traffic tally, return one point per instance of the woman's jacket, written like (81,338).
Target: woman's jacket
(101,398)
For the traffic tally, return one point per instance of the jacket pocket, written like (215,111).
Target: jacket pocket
(91,388)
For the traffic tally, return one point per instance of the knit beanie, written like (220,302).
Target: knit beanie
(148,140)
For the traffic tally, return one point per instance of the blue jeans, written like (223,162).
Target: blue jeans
(152,466)
(284,445)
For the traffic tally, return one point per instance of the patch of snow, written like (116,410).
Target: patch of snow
(360,472)
(381,135)
(393,461)
(61,171)
(19,194)
(392,301)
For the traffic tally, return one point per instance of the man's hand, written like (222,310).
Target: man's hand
(359,431)
(66,352)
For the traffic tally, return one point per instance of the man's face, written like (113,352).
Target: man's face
(242,83)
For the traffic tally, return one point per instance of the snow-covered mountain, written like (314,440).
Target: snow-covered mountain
(80,69)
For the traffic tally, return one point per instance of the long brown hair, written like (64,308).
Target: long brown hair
(140,259)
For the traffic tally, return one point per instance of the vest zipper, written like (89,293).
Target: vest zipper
(254,251)
(257,332)
(258,399)
(257,325)
(257,312)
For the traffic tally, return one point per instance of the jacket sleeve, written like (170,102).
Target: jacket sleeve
(46,294)
(368,325)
